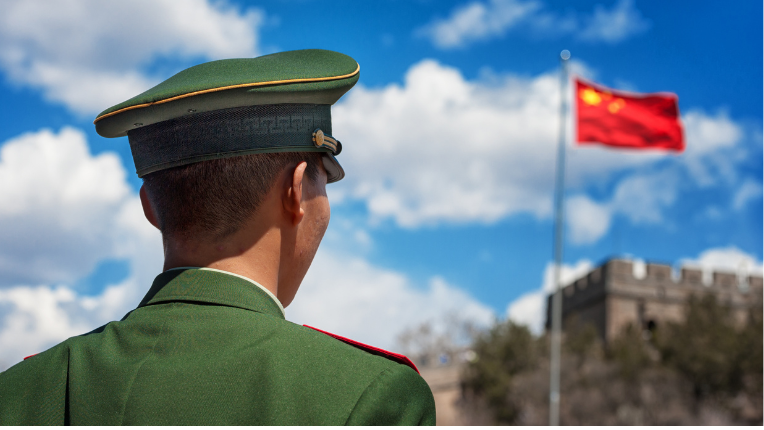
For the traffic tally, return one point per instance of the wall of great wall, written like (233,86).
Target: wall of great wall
(611,296)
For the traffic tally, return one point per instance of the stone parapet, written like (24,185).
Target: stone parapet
(612,296)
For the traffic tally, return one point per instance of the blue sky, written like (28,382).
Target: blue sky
(451,218)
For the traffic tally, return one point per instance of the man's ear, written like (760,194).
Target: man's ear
(292,197)
(148,211)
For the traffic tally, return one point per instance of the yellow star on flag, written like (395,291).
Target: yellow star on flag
(590,96)
(593,97)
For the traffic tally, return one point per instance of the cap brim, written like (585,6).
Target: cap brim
(334,172)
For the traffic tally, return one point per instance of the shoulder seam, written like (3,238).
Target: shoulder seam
(135,375)
(373,381)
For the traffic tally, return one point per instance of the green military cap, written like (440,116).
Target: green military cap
(274,103)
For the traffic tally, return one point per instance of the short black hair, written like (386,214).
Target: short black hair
(213,199)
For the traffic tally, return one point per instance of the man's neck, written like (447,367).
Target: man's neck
(247,253)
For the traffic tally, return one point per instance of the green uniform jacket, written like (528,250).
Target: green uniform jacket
(207,347)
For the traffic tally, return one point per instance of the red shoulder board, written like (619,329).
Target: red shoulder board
(29,356)
(398,358)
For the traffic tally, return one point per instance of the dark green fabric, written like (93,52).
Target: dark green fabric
(209,348)
(301,64)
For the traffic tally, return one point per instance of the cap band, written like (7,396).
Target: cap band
(227,133)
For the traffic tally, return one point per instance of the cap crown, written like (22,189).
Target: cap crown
(311,76)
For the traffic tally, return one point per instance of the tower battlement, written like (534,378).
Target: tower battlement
(615,294)
(687,275)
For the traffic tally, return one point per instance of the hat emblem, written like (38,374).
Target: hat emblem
(322,140)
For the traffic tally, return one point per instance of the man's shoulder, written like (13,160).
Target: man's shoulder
(380,387)
(318,345)
(368,349)
(340,358)
(33,389)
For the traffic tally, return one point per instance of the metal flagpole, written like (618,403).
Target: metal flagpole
(554,368)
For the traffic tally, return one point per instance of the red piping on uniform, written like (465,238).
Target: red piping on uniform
(398,358)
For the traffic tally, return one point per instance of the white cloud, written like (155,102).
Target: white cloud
(89,54)
(349,296)
(614,25)
(749,191)
(729,259)
(58,207)
(586,219)
(441,148)
(478,21)
(712,213)
(33,319)
(708,134)
(63,210)
(347,234)
(641,198)
(530,308)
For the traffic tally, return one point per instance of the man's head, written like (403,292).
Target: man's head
(235,156)
(222,210)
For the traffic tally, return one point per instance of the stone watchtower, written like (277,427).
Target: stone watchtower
(611,296)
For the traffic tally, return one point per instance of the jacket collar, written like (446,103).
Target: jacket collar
(205,285)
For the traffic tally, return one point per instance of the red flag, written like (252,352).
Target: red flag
(627,120)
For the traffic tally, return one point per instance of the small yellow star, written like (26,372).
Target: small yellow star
(616,105)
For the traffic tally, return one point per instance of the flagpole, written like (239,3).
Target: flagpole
(554,368)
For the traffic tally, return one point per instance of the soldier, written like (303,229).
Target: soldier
(235,156)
